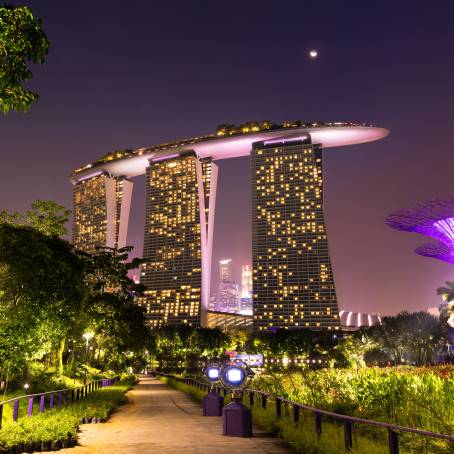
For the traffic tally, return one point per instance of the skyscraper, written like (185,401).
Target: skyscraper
(228,298)
(177,240)
(101,207)
(293,282)
(292,277)
(246,281)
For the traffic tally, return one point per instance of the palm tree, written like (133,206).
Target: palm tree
(447,293)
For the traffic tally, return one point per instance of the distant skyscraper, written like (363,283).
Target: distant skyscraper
(101,207)
(177,240)
(225,270)
(246,281)
(293,282)
(228,298)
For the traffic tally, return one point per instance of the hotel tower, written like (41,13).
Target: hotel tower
(292,285)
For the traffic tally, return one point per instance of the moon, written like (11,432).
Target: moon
(313,53)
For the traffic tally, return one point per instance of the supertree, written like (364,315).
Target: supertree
(435,219)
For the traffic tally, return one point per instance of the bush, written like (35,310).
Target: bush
(62,423)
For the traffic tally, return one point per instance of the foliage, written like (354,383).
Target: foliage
(412,397)
(22,40)
(182,348)
(45,216)
(409,337)
(62,423)
(50,295)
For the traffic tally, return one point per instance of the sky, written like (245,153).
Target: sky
(126,75)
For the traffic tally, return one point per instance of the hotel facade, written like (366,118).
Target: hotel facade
(292,278)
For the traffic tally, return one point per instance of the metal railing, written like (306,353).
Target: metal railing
(393,429)
(54,398)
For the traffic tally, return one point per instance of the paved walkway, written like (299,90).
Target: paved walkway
(159,419)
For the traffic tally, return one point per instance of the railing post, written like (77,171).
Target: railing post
(42,403)
(263,401)
(30,406)
(51,401)
(59,399)
(393,441)
(251,398)
(278,407)
(348,435)
(318,423)
(16,410)
(77,394)
(1,415)
(73,395)
(296,413)
(66,395)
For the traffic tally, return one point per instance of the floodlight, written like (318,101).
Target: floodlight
(212,372)
(234,375)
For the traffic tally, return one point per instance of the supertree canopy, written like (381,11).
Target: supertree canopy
(437,250)
(435,219)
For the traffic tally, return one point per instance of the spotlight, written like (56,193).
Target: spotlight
(234,376)
(212,373)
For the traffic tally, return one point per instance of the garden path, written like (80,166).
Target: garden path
(159,419)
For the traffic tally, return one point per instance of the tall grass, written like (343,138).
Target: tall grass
(421,398)
(411,397)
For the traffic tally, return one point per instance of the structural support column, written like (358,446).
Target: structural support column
(207,185)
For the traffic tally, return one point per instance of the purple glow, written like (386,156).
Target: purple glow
(240,145)
(438,251)
(90,175)
(446,227)
(435,219)
(290,139)
(162,158)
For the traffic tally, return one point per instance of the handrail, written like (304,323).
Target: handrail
(393,429)
(77,393)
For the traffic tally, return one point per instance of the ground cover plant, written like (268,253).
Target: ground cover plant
(412,397)
(61,424)
(421,398)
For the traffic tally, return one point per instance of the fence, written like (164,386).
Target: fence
(54,398)
(295,408)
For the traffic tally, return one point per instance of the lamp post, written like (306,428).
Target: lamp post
(87,336)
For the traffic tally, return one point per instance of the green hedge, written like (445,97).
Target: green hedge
(62,423)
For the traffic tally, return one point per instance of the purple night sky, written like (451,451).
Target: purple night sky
(131,74)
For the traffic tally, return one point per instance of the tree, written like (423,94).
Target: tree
(409,337)
(45,216)
(40,286)
(111,313)
(48,217)
(22,41)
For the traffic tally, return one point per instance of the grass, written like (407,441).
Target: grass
(303,437)
(62,423)
(420,398)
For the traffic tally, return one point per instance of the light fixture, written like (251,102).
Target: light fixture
(88,336)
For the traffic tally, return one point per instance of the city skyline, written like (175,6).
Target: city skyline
(369,67)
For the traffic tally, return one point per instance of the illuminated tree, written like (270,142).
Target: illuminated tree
(434,218)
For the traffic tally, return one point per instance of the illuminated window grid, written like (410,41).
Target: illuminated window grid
(293,284)
(90,212)
(172,244)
